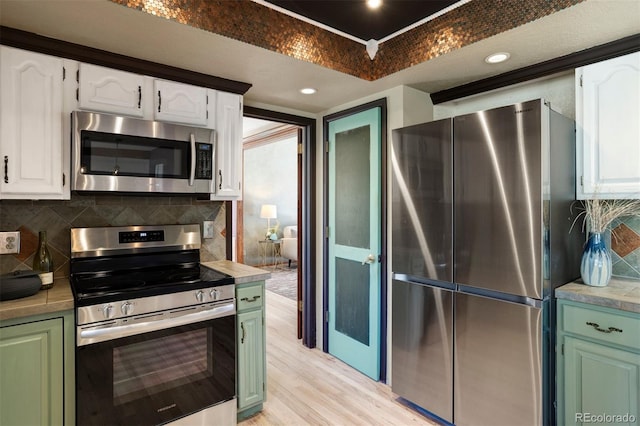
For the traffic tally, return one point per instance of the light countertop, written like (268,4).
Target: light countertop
(58,298)
(623,294)
(241,273)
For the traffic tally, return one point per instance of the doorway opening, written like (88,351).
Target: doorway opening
(276,218)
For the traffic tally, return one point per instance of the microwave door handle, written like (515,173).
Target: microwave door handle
(192,174)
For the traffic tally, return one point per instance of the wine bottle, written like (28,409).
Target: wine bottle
(42,262)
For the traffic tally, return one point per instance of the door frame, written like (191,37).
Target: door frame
(382,104)
(306,215)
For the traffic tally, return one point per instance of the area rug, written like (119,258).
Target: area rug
(283,282)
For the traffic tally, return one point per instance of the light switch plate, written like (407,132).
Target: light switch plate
(10,242)
(207,229)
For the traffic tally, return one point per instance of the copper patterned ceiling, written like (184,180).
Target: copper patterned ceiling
(261,26)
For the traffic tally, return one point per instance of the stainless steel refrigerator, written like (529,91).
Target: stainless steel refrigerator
(480,238)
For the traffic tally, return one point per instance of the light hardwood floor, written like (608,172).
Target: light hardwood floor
(308,387)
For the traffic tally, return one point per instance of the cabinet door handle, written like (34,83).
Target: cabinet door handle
(602,330)
(242,328)
(6,169)
(159,101)
(220,175)
(139,96)
(253,299)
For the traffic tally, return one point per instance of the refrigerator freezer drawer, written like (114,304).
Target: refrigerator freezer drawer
(498,365)
(422,352)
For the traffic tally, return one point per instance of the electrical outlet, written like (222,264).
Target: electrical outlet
(9,242)
(207,229)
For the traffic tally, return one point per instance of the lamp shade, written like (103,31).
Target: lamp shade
(268,211)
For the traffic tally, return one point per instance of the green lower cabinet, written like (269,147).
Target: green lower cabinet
(599,380)
(37,370)
(250,338)
(598,372)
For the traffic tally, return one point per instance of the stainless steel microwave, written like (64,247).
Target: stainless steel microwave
(123,154)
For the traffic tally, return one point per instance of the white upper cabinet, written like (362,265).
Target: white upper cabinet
(31,123)
(228,151)
(608,128)
(179,103)
(113,91)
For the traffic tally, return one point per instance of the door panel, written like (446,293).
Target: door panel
(497,363)
(599,379)
(352,178)
(421,161)
(352,300)
(498,199)
(422,336)
(354,240)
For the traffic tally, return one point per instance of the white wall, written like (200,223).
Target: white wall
(270,177)
(558,89)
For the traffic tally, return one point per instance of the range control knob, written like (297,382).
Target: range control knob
(214,293)
(200,296)
(127,308)
(107,311)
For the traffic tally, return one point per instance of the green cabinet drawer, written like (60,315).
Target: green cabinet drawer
(609,326)
(249,297)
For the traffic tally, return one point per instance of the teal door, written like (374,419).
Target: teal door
(354,240)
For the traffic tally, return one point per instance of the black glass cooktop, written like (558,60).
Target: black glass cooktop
(112,279)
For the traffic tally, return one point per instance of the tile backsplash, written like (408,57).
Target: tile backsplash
(625,247)
(57,217)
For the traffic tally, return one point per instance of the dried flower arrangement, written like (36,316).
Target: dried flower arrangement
(599,214)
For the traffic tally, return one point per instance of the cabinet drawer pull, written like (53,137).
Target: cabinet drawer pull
(159,101)
(6,169)
(253,299)
(609,330)
(139,96)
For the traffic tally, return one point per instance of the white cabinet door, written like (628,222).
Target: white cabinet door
(31,118)
(113,91)
(608,128)
(179,103)
(228,128)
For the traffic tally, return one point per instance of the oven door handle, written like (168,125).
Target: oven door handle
(101,333)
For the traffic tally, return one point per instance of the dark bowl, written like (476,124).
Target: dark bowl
(18,284)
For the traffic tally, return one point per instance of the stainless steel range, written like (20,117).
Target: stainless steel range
(155,336)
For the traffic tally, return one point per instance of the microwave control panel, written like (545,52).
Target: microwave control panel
(204,161)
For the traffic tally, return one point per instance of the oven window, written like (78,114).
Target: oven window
(155,377)
(124,155)
(147,368)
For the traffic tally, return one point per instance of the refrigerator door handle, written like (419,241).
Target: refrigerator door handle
(482,292)
(413,279)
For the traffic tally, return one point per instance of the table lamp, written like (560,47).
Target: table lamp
(268,211)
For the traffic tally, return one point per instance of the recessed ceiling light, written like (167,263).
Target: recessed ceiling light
(497,57)
(374,4)
(308,91)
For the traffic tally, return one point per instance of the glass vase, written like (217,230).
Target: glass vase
(595,267)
